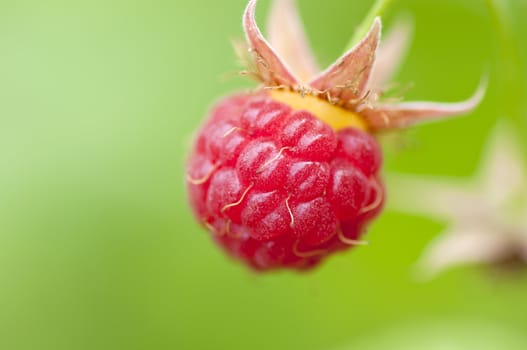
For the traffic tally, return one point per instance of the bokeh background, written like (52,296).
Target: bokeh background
(98,249)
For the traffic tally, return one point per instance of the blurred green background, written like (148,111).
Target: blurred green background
(98,250)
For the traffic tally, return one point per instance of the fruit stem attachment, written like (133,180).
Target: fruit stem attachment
(377,10)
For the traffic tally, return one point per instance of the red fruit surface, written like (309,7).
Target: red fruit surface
(279,188)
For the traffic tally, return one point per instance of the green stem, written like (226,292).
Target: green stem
(510,70)
(378,9)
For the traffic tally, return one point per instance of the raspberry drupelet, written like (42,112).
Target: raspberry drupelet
(286,175)
(279,187)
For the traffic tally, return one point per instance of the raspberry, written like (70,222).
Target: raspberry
(285,176)
(288,195)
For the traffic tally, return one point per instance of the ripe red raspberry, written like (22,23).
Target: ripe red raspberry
(287,175)
(280,188)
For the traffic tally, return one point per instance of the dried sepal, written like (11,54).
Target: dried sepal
(467,245)
(356,81)
(287,36)
(271,68)
(405,114)
(487,215)
(346,80)
(390,54)
(504,172)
